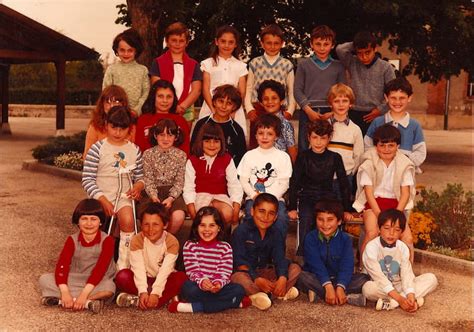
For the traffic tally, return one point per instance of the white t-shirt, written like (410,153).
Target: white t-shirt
(385,188)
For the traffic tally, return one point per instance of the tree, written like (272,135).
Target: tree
(437,35)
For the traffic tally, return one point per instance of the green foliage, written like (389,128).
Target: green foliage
(123,17)
(72,160)
(452,213)
(463,254)
(59,145)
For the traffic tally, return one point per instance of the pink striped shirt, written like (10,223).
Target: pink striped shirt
(208,260)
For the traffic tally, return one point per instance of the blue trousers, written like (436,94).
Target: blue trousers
(308,281)
(303,143)
(282,219)
(228,297)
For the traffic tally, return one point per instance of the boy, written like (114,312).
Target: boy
(329,260)
(314,76)
(398,94)
(271,95)
(270,65)
(177,67)
(346,138)
(313,176)
(369,74)
(385,179)
(259,256)
(225,101)
(152,280)
(386,259)
(266,169)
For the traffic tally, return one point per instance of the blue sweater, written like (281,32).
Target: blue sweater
(253,251)
(327,260)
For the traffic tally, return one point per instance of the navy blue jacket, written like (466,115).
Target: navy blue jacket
(329,260)
(251,250)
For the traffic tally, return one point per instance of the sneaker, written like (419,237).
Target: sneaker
(312,296)
(261,301)
(383,304)
(95,306)
(358,300)
(125,300)
(291,294)
(173,306)
(49,301)
(246,302)
(420,301)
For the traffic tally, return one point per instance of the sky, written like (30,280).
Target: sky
(89,22)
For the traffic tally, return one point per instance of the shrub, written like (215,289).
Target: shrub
(59,145)
(421,226)
(452,213)
(71,160)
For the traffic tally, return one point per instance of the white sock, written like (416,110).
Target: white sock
(184,307)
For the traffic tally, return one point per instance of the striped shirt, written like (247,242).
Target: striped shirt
(208,260)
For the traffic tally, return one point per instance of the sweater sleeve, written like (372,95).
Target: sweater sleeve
(300,97)
(177,188)
(406,271)
(103,262)
(243,170)
(418,153)
(64,262)
(233,184)
(282,182)
(344,53)
(248,95)
(343,182)
(189,190)
(239,239)
(91,138)
(148,172)
(358,149)
(145,88)
(278,255)
(290,83)
(172,250)
(191,263)
(346,264)
(312,259)
(224,267)
(89,171)
(295,183)
(369,258)
(137,263)
(108,78)
(138,170)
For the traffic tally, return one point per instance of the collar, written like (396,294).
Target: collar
(208,244)
(231,59)
(209,161)
(404,122)
(333,120)
(84,243)
(321,64)
(271,59)
(386,245)
(327,239)
(374,60)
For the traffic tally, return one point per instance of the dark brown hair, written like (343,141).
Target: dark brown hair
(329,205)
(98,115)
(202,212)
(88,206)
(209,130)
(229,91)
(219,32)
(132,38)
(272,29)
(177,28)
(319,127)
(155,208)
(269,121)
(166,125)
(393,215)
(323,32)
(387,134)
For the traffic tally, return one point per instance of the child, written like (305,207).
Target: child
(224,67)
(152,281)
(271,95)
(208,263)
(270,65)
(387,262)
(127,73)
(346,137)
(177,67)
(163,167)
(398,93)
(329,260)
(369,74)
(85,268)
(312,179)
(259,256)
(385,179)
(314,76)
(160,104)
(225,101)
(211,177)
(106,160)
(113,95)
(266,169)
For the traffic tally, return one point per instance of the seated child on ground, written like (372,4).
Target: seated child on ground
(329,260)
(163,168)
(208,263)
(152,280)
(259,256)
(85,268)
(387,260)
(211,177)
(266,170)
(312,179)
(106,161)
(385,180)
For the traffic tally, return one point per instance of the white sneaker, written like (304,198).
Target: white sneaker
(420,301)
(125,300)
(95,306)
(358,300)
(261,301)
(312,296)
(291,294)
(383,304)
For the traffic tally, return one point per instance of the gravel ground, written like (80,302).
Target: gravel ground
(36,210)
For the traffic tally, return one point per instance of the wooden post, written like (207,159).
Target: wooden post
(4,73)
(60,95)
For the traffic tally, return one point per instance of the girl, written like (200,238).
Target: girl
(211,177)
(85,269)
(127,73)
(223,67)
(151,281)
(113,95)
(164,166)
(208,263)
(160,104)
(108,159)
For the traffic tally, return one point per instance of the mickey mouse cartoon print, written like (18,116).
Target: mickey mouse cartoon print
(263,177)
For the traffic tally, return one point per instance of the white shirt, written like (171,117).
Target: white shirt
(385,188)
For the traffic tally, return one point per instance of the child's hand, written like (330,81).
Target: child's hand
(293,214)
(206,285)
(348,216)
(375,112)
(265,285)
(152,301)
(143,301)
(326,116)
(155,200)
(168,202)
(280,287)
(341,297)
(80,302)
(67,300)
(135,192)
(216,287)
(180,109)
(405,305)
(287,115)
(252,115)
(312,115)
(107,205)
(330,294)
(412,302)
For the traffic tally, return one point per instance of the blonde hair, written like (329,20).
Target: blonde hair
(341,89)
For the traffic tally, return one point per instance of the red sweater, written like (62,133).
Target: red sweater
(213,181)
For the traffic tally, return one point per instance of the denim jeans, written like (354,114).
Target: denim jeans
(309,281)
(228,297)
(282,219)
(303,143)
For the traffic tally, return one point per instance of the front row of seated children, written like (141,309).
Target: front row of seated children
(84,273)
